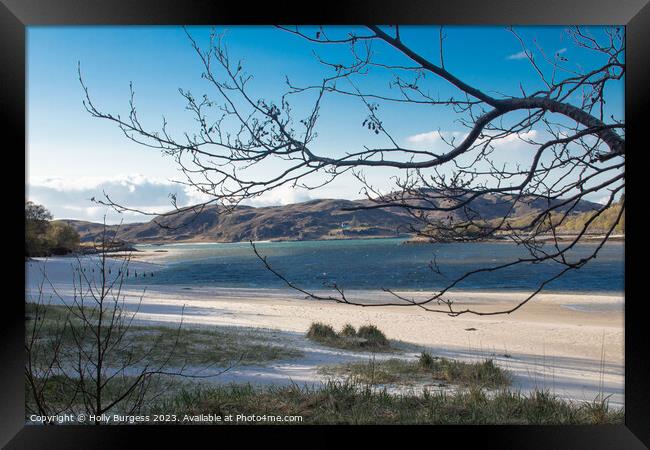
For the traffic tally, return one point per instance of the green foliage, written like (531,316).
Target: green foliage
(348,331)
(62,238)
(598,411)
(601,224)
(570,224)
(36,226)
(320,331)
(353,403)
(369,337)
(427,368)
(43,237)
(576,223)
(373,335)
(192,345)
(426,360)
(36,214)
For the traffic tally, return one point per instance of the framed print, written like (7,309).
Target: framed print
(412,215)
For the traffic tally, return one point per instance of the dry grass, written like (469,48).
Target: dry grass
(426,369)
(352,403)
(196,346)
(367,338)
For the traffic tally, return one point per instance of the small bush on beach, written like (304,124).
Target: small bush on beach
(368,337)
(426,368)
(426,360)
(373,335)
(598,411)
(319,332)
(487,373)
(348,331)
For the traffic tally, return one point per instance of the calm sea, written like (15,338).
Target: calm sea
(382,263)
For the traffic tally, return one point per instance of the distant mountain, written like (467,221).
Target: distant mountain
(312,220)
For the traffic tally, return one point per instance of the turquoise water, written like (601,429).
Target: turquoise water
(382,263)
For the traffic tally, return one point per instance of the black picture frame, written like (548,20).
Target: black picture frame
(15,15)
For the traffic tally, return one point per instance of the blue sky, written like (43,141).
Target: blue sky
(72,156)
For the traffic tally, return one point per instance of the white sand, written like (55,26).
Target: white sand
(571,344)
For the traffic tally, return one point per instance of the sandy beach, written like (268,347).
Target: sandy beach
(571,344)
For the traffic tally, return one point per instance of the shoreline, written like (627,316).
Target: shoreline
(548,343)
(407,238)
(586,239)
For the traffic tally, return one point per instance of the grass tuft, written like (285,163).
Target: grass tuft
(373,336)
(426,368)
(368,337)
(598,411)
(347,402)
(348,331)
(320,332)
(426,361)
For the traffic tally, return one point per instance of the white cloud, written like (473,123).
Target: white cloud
(71,198)
(515,139)
(436,137)
(88,211)
(88,182)
(283,195)
(603,200)
(519,55)
(194,197)
(524,54)
(439,139)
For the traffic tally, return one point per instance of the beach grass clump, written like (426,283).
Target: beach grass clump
(425,360)
(598,410)
(372,335)
(486,373)
(348,331)
(349,402)
(425,369)
(368,337)
(321,332)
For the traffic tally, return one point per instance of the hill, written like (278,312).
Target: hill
(312,220)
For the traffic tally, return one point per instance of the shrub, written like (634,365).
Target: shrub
(598,411)
(44,237)
(487,373)
(373,335)
(348,331)
(369,337)
(426,361)
(62,238)
(479,375)
(320,331)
